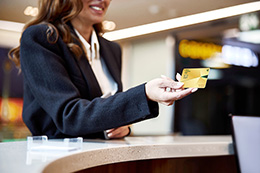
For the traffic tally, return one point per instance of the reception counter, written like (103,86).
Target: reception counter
(132,154)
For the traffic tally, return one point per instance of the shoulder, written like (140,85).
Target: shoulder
(35,30)
(38,33)
(35,38)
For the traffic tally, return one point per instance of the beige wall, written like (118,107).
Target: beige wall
(9,39)
(143,60)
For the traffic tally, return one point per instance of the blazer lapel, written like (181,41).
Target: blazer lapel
(87,72)
(90,78)
(107,54)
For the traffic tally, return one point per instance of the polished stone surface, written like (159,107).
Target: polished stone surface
(14,156)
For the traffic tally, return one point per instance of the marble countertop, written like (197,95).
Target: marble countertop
(15,157)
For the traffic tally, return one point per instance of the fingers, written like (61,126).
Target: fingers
(119,132)
(167,103)
(170,97)
(165,90)
(169,83)
(186,92)
(177,95)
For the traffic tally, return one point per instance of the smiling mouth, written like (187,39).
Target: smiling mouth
(96,8)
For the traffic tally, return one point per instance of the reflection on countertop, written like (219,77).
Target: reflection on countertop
(100,152)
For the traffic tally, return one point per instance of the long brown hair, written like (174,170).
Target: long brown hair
(56,14)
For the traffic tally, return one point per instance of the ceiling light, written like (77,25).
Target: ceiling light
(183,21)
(109,25)
(249,22)
(172,13)
(154,9)
(31,11)
(239,56)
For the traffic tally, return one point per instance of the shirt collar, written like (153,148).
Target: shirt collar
(92,49)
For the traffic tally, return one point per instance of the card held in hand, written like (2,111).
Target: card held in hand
(195,77)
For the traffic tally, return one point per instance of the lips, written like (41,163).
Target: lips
(97,7)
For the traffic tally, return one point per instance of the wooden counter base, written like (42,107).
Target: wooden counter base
(177,165)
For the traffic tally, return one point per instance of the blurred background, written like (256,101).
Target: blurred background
(161,38)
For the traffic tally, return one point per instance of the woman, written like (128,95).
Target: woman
(72,76)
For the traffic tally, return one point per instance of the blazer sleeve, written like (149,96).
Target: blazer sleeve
(47,78)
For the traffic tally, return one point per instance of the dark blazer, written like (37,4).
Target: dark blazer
(62,95)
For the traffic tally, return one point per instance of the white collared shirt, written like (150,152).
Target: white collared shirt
(107,83)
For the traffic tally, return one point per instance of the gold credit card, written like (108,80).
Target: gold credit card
(195,77)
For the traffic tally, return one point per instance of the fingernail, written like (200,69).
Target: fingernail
(194,90)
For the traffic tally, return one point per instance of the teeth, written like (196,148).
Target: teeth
(96,8)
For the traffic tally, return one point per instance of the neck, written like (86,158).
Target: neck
(84,29)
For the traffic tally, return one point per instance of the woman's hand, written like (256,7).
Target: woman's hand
(119,132)
(165,90)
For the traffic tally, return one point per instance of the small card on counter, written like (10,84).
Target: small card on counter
(195,77)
